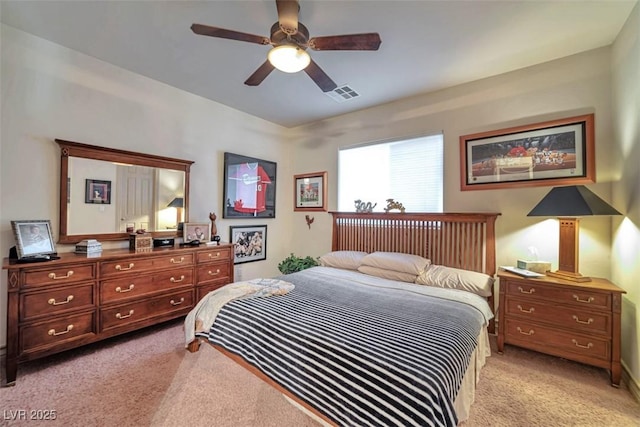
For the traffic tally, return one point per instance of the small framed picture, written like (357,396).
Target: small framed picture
(250,242)
(97,191)
(310,190)
(200,231)
(33,238)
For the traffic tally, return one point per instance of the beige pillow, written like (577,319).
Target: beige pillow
(347,260)
(387,274)
(455,278)
(397,261)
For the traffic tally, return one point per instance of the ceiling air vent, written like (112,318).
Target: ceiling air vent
(342,93)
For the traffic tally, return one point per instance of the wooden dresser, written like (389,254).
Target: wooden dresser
(576,321)
(63,304)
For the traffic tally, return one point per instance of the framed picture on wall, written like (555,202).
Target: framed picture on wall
(557,152)
(250,242)
(97,191)
(249,187)
(310,191)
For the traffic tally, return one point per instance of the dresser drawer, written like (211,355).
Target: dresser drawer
(144,264)
(136,286)
(201,291)
(57,332)
(137,311)
(55,301)
(214,272)
(214,254)
(568,317)
(564,295)
(59,275)
(551,340)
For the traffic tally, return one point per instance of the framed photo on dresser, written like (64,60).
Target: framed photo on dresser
(33,238)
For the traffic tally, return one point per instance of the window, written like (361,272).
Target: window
(410,171)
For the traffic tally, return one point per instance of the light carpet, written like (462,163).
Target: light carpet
(147,378)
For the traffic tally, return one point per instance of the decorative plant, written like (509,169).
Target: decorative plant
(292,263)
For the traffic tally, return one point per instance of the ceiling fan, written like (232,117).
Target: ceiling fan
(290,40)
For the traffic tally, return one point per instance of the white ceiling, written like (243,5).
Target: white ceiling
(426,45)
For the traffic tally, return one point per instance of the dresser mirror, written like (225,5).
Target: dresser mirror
(106,193)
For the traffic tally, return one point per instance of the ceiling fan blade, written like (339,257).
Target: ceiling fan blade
(260,74)
(288,16)
(320,77)
(365,41)
(206,30)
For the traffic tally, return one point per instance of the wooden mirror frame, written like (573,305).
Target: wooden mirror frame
(76,149)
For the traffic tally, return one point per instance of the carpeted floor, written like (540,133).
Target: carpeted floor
(146,378)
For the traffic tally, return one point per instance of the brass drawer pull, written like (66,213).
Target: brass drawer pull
(173,261)
(588,346)
(53,332)
(129,289)
(531,331)
(177,303)
(66,276)
(121,268)
(584,322)
(531,310)
(588,300)
(211,273)
(52,301)
(530,291)
(174,280)
(124,316)
(217,255)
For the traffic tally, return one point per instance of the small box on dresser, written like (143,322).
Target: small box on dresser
(578,321)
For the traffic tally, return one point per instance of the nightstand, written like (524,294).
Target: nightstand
(576,321)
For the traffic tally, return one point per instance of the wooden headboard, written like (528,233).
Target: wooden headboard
(459,240)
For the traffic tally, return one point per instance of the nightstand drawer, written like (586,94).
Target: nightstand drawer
(560,294)
(560,316)
(547,339)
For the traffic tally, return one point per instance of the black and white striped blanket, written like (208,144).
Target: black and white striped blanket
(383,355)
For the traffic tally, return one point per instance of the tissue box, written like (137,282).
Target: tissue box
(537,266)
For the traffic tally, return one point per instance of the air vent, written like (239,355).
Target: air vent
(342,93)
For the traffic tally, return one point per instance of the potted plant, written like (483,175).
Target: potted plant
(292,264)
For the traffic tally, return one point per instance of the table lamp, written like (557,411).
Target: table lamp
(177,203)
(569,203)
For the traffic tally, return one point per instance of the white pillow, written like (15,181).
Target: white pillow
(347,260)
(397,261)
(456,278)
(388,274)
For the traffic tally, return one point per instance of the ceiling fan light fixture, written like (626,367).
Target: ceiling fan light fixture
(289,58)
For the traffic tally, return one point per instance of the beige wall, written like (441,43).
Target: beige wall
(52,92)
(626,192)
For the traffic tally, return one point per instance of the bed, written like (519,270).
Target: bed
(389,330)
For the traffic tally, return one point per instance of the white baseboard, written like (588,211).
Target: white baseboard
(631,383)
